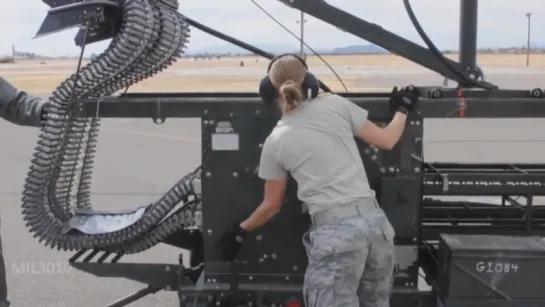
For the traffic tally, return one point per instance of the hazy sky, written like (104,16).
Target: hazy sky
(502,23)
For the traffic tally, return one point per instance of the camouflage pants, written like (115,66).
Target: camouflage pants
(350,262)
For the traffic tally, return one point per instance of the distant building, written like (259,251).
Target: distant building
(21,55)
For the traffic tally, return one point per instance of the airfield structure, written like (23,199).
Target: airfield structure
(473,253)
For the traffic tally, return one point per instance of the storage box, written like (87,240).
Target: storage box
(491,267)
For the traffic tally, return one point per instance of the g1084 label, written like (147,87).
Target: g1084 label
(496,267)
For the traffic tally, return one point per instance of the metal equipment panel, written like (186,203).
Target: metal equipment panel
(235,171)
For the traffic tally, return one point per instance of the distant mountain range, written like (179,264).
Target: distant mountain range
(279,48)
(354,49)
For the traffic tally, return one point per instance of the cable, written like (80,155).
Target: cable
(301,41)
(433,49)
(72,100)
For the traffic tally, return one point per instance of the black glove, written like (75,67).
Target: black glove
(404,100)
(231,242)
(8,93)
(45,111)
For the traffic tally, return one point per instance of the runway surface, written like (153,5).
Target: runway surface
(359,76)
(137,160)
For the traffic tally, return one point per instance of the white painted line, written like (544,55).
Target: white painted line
(488,141)
(154,135)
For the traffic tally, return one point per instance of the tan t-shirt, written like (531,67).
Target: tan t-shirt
(315,144)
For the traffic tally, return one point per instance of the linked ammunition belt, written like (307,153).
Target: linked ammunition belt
(56,197)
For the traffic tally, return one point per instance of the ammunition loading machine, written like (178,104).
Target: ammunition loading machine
(473,254)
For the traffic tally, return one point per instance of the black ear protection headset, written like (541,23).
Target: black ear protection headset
(310,86)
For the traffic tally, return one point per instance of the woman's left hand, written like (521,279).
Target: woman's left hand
(231,242)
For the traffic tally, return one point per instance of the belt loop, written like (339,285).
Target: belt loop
(359,211)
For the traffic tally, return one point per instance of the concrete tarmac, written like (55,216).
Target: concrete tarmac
(138,160)
(360,76)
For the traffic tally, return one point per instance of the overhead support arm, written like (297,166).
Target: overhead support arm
(228,38)
(374,34)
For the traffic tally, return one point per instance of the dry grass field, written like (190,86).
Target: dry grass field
(358,72)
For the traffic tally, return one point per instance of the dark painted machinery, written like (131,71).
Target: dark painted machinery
(470,253)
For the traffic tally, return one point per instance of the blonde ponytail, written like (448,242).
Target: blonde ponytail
(292,95)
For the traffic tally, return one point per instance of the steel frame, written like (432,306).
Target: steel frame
(197,105)
(177,277)
(514,217)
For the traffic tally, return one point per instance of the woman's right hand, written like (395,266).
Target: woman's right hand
(405,99)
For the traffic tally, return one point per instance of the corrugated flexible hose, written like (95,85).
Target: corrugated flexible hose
(56,196)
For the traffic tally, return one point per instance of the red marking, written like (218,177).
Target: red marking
(294,303)
(462,105)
